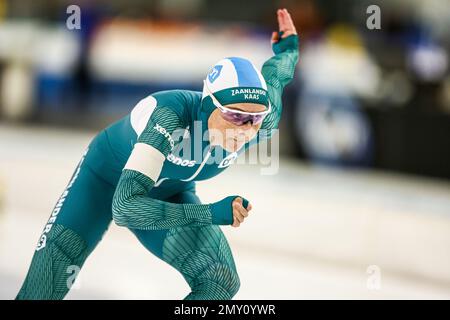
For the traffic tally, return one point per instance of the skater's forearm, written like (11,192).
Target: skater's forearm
(279,70)
(133,208)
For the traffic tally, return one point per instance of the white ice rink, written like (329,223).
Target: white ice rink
(312,234)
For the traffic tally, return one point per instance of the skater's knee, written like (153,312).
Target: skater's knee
(64,243)
(231,282)
(220,281)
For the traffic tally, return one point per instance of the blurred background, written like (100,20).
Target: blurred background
(360,207)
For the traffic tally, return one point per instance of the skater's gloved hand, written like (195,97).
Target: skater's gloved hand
(241,209)
(286,38)
(230,210)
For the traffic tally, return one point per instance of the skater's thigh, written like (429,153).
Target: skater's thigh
(85,205)
(189,245)
(192,249)
(153,239)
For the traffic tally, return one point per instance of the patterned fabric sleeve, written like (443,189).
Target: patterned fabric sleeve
(278,71)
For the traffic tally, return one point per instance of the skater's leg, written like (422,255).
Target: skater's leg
(76,225)
(201,254)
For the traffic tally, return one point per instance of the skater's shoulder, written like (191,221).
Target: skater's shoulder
(177,97)
(180,104)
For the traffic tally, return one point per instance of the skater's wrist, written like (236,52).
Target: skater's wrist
(222,211)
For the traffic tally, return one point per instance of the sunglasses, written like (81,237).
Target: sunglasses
(237,117)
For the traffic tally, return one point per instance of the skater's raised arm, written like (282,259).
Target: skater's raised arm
(278,71)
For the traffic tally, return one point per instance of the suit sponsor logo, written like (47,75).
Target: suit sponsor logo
(180,162)
(166,134)
(227,161)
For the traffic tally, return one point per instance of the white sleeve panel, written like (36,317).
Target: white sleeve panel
(146,160)
(141,114)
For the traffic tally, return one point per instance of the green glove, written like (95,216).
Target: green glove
(289,43)
(222,211)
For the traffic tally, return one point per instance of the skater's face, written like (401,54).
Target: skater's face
(228,135)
